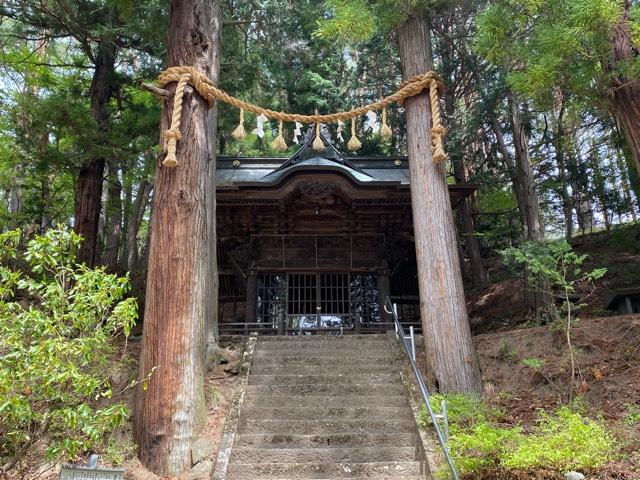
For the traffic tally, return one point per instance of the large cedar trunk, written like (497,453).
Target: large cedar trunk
(625,99)
(560,143)
(136,214)
(170,411)
(524,173)
(112,231)
(450,353)
(88,194)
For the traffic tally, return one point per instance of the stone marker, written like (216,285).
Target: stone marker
(90,471)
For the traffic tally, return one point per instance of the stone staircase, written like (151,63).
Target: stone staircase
(325,407)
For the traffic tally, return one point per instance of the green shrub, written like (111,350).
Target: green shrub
(563,441)
(533,363)
(58,324)
(482,446)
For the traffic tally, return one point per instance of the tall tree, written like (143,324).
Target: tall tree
(170,411)
(450,353)
(443,310)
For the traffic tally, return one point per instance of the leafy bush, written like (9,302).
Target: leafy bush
(565,440)
(58,323)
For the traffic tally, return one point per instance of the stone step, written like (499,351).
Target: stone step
(309,427)
(325,338)
(327,378)
(326,412)
(321,400)
(264,368)
(327,389)
(330,454)
(321,470)
(325,347)
(267,441)
(308,359)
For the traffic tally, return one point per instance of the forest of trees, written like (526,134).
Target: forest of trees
(542,107)
(542,111)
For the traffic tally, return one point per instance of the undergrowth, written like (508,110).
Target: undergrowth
(479,439)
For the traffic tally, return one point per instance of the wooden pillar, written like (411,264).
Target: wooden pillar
(252,298)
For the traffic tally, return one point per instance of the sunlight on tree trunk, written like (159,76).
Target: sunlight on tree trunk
(171,410)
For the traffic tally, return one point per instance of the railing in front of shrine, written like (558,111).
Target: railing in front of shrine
(243,328)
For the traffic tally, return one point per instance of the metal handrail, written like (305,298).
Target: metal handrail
(421,384)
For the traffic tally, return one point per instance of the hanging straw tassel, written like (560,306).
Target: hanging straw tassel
(437,130)
(353,143)
(239,133)
(172,135)
(278,144)
(385,131)
(318,144)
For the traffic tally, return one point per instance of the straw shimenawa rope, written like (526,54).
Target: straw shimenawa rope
(206,88)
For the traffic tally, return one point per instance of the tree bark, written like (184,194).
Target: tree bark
(448,343)
(136,214)
(113,219)
(511,168)
(524,173)
(559,145)
(625,97)
(471,243)
(624,184)
(170,411)
(88,194)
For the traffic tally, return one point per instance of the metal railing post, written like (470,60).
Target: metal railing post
(443,437)
(445,419)
(413,343)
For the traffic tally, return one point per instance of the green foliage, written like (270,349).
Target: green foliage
(632,416)
(533,363)
(554,43)
(555,263)
(560,441)
(352,20)
(58,324)
(118,449)
(564,441)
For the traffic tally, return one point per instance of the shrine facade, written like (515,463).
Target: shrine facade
(316,242)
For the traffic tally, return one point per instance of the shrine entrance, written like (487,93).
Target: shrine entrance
(318,301)
(315,243)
